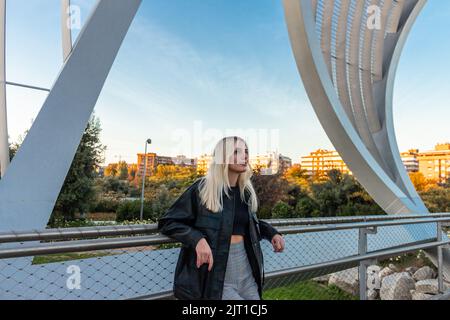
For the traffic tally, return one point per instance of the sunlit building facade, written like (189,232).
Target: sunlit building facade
(410,160)
(322,161)
(153,161)
(435,164)
(203,163)
(271,163)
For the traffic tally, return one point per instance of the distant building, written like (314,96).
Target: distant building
(151,164)
(184,161)
(271,163)
(322,161)
(285,163)
(153,161)
(268,164)
(436,164)
(410,160)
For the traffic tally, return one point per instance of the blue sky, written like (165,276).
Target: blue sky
(191,71)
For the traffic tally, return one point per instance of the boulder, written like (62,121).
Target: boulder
(397,286)
(420,296)
(393,267)
(372,294)
(424,274)
(429,286)
(373,269)
(322,279)
(346,280)
(385,272)
(411,270)
(373,279)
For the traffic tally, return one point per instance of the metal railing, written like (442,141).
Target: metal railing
(114,237)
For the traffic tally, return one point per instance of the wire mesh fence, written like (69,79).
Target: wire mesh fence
(325,259)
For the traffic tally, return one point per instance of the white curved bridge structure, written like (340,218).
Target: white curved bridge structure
(347,52)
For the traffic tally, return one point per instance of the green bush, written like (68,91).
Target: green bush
(130,210)
(282,210)
(112,184)
(105,205)
(306,208)
(60,222)
(264,212)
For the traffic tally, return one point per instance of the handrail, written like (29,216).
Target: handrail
(354,219)
(77,233)
(127,242)
(365,226)
(353,260)
(109,231)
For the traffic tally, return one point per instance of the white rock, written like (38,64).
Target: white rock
(393,267)
(373,269)
(322,279)
(385,272)
(411,270)
(424,274)
(429,286)
(373,281)
(420,296)
(446,285)
(346,280)
(397,286)
(372,294)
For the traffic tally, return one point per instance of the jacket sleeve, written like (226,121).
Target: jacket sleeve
(177,223)
(267,231)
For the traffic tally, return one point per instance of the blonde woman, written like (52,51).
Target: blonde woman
(216,222)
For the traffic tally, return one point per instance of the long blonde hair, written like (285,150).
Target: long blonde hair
(216,182)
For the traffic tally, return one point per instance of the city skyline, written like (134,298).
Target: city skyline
(171,74)
(294,162)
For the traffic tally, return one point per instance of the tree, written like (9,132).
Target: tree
(270,189)
(420,182)
(14,147)
(306,208)
(437,199)
(115,185)
(173,176)
(282,210)
(342,195)
(112,170)
(123,170)
(78,190)
(296,175)
(132,171)
(161,201)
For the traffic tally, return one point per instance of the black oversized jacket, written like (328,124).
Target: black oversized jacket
(188,221)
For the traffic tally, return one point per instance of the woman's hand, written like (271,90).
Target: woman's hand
(278,243)
(204,254)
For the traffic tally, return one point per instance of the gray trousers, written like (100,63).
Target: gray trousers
(239,281)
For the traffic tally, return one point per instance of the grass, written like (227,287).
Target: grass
(68,257)
(307,290)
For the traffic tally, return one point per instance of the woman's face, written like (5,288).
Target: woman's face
(240,159)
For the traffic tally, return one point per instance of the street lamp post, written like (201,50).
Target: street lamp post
(149,141)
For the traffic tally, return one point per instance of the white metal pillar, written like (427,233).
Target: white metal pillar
(4,145)
(29,190)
